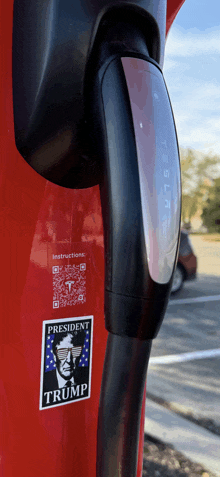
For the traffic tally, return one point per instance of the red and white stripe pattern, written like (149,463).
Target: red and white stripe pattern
(63,352)
(76,351)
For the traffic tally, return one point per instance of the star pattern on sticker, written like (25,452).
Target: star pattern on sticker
(49,364)
(84,361)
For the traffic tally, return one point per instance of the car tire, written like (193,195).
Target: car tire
(178,280)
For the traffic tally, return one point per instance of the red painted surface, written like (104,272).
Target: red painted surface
(173,6)
(37,219)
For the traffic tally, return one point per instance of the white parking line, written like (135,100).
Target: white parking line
(179,358)
(197,299)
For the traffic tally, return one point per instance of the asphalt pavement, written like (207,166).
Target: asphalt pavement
(184,369)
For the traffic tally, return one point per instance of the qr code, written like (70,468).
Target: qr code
(69,285)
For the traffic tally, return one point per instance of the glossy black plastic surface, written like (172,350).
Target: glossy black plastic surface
(121,401)
(58,45)
(134,303)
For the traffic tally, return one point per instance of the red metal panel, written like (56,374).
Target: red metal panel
(173,6)
(39,220)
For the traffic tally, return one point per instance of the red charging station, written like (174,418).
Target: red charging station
(52,263)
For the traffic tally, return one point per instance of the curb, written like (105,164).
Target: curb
(196,443)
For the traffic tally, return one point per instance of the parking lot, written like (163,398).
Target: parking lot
(191,382)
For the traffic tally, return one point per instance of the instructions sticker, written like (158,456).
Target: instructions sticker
(66,361)
(69,285)
(69,265)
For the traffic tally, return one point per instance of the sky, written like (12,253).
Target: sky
(192,74)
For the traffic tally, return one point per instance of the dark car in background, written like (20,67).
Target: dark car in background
(186,265)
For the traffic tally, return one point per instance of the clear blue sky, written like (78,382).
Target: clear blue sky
(192,73)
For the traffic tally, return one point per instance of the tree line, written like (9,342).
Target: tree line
(200,188)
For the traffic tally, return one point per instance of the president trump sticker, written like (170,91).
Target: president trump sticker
(66,361)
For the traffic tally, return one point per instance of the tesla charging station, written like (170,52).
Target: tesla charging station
(90,212)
